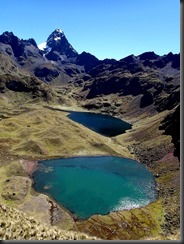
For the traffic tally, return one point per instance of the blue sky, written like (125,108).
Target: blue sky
(104,28)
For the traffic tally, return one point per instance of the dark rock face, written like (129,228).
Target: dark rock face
(32,86)
(146,100)
(134,87)
(22,50)
(152,80)
(58,42)
(131,63)
(171,125)
(31,41)
(174,59)
(46,73)
(55,56)
(88,60)
(7,49)
(169,101)
(148,56)
(17,86)
(14,42)
(131,76)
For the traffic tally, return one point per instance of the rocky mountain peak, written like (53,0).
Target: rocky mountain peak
(8,37)
(55,36)
(148,55)
(57,44)
(59,31)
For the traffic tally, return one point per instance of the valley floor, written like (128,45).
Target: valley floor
(33,132)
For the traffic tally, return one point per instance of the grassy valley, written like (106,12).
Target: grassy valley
(35,94)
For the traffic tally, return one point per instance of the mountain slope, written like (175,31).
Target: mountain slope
(37,85)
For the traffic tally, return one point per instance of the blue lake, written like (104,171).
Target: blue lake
(95,185)
(103,124)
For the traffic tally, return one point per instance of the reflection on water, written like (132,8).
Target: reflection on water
(96,185)
(103,124)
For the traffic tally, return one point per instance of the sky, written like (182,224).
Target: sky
(104,28)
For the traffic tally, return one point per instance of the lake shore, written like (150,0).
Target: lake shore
(50,134)
(29,166)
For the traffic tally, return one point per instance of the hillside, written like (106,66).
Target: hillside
(37,87)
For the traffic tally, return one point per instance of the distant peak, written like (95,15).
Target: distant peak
(59,31)
(56,35)
(58,42)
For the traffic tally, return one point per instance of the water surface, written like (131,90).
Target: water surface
(103,124)
(95,185)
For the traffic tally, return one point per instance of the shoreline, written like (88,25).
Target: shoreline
(29,166)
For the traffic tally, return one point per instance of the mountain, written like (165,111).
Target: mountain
(37,82)
(57,47)
(153,81)
(21,52)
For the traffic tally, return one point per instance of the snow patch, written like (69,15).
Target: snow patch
(59,30)
(57,38)
(42,46)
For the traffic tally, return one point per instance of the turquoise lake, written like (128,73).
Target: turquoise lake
(95,184)
(103,124)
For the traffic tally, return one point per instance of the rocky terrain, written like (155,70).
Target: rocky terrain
(38,86)
(15,225)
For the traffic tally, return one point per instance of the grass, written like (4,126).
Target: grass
(38,132)
(134,224)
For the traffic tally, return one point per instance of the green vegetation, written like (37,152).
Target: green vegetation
(37,132)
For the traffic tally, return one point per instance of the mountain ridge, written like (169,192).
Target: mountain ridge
(156,78)
(38,86)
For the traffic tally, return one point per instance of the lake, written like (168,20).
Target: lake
(103,124)
(95,184)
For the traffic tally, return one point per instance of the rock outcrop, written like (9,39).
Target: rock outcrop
(38,87)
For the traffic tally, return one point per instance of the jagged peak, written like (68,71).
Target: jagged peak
(148,55)
(8,33)
(57,41)
(59,31)
(7,37)
(56,35)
